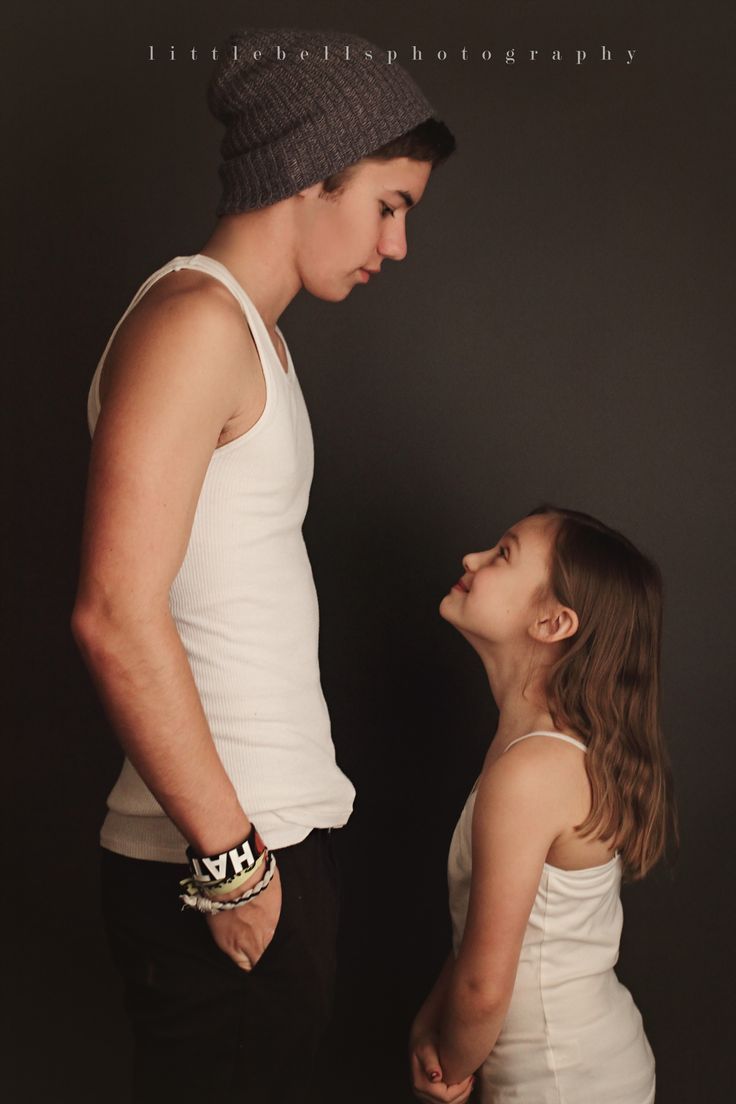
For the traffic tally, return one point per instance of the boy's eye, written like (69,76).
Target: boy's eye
(386,210)
(503,552)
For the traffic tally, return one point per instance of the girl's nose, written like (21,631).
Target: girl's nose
(470,561)
(473,560)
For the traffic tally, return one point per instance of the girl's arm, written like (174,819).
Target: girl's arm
(427,1018)
(426,1072)
(519,811)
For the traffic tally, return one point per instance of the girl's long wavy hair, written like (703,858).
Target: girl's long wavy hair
(606,685)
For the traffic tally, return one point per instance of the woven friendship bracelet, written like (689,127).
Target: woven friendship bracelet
(219,888)
(194,899)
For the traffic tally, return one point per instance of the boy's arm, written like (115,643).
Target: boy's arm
(177,372)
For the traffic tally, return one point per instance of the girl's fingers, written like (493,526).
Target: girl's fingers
(429,1060)
(425,1089)
(444,1094)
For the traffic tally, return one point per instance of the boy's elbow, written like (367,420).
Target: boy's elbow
(104,628)
(81,624)
(90,632)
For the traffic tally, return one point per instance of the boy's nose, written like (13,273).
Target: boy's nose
(393,241)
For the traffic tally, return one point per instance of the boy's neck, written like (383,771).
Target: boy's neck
(258,249)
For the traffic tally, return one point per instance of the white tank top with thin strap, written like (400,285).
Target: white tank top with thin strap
(245,607)
(543,732)
(572,1034)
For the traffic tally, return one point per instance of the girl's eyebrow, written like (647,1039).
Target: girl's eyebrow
(513,537)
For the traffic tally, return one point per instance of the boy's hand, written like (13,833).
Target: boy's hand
(244,933)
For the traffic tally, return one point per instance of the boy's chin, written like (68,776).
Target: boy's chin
(330,293)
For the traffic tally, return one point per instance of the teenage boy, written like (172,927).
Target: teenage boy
(196,610)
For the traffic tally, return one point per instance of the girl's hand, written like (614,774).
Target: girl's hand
(426,1073)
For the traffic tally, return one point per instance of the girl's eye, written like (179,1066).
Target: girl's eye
(503,552)
(386,210)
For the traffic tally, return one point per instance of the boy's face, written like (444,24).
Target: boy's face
(346,235)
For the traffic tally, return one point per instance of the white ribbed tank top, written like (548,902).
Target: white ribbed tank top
(245,607)
(572,1034)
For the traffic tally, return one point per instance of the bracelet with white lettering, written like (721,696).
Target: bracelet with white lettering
(193,897)
(215,870)
(220,889)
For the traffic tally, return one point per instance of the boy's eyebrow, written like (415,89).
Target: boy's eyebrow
(406,196)
(512,534)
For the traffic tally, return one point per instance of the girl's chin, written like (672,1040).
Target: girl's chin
(445,608)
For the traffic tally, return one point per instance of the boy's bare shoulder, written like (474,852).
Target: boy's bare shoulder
(185,316)
(188,298)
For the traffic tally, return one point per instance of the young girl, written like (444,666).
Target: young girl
(565,615)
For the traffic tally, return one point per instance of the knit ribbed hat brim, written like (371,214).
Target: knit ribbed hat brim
(291,122)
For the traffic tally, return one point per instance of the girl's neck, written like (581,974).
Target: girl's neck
(519,691)
(517,719)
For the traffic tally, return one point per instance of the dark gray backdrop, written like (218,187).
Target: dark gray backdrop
(558,331)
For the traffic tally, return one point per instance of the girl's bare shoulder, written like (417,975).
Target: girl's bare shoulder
(538,778)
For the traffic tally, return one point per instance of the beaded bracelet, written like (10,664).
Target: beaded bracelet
(192,897)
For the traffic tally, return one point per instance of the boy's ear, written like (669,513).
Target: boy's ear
(312,192)
(557,623)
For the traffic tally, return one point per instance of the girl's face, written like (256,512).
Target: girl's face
(497,599)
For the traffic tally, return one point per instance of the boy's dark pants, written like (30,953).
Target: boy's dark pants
(200,1023)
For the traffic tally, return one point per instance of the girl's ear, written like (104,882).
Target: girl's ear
(557,623)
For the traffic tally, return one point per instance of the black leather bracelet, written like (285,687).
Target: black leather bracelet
(214,870)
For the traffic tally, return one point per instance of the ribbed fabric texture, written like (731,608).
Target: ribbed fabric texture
(572,1033)
(245,607)
(292,121)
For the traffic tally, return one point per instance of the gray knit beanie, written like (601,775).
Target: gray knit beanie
(297,110)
